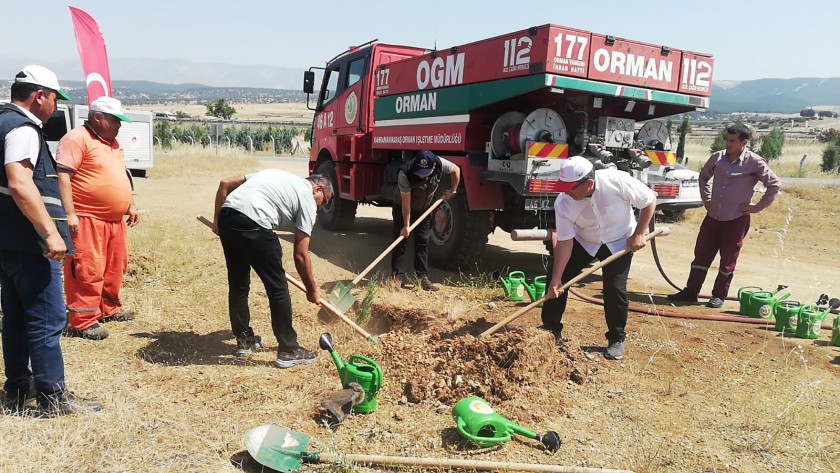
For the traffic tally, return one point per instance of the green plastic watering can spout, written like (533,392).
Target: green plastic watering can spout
(325,342)
(518,429)
(531,289)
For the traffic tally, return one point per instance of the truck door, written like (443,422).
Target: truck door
(343,108)
(352,99)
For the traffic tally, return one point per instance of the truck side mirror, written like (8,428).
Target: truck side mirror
(308,82)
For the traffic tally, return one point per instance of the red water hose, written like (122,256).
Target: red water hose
(678,315)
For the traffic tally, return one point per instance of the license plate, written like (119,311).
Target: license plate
(539,204)
(689,183)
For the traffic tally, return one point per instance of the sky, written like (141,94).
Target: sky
(749,39)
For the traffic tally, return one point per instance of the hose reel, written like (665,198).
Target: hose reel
(512,130)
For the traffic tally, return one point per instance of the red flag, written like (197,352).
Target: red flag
(92,53)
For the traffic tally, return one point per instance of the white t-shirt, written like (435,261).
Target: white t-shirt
(273,198)
(605,218)
(23,142)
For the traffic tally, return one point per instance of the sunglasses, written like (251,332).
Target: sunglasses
(578,184)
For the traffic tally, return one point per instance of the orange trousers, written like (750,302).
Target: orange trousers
(93,275)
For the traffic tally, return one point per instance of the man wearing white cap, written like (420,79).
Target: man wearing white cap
(97,195)
(594,219)
(33,239)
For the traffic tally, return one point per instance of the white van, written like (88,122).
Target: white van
(165,116)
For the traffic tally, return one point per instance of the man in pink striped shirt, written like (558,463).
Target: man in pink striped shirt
(733,173)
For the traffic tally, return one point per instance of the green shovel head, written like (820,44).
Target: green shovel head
(341,298)
(277,447)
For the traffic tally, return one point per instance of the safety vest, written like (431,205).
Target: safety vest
(17,233)
(422,190)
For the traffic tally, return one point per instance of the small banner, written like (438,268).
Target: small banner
(92,54)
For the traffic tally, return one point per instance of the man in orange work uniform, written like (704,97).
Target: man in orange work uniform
(96,193)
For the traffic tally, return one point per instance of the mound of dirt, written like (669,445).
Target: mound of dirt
(445,364)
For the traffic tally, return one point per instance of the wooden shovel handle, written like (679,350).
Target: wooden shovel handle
(659,231)
(331,308)
(481,465)
(324,303)
(396,242)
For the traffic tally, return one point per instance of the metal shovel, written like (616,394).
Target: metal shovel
(283,450)
(341,298)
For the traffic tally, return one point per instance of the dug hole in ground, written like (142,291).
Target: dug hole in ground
(689,395)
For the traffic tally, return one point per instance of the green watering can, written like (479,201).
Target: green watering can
(786,314)
(810,320)
(835,333)
(480,424)
(759,304)
(514,286)
(358,369)
(536,289)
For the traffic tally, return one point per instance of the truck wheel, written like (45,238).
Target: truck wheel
(339,213)
(458,234)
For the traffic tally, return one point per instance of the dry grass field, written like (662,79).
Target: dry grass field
(691,396)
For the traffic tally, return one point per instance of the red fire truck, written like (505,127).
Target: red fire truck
(504,109)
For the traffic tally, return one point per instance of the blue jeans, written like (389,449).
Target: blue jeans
(34,315)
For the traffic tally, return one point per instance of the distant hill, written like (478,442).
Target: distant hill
(774,95)
(133,92)
(175,80)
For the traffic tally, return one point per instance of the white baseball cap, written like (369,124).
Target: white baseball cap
(572,170)
(109,105)
(40,75)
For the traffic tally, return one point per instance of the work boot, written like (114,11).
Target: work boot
(15,401)
(427,284)
(245,346)
(615,351)
(298,356)
(715,303)
(121,316)
(683,296)
(64,403)
(94,332)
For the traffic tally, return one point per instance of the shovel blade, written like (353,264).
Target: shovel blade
(341,298)
(277,447)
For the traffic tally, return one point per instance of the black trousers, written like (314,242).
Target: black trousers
(615,291)
(421,235)
(247,245)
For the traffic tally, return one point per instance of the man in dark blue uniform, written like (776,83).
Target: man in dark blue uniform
(34,238)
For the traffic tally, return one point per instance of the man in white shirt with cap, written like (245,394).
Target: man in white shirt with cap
(594,219)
